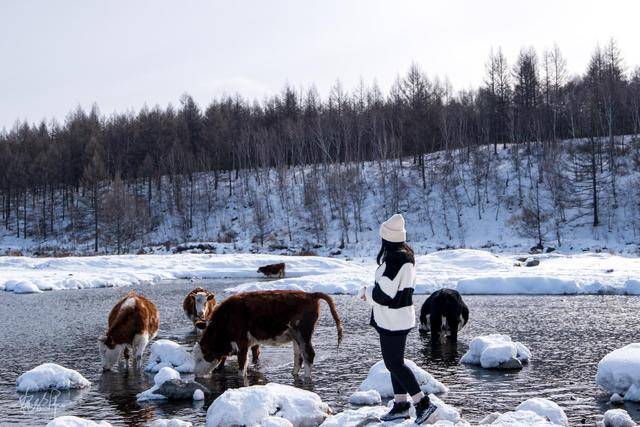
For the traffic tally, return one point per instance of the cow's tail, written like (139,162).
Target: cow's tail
(334,312)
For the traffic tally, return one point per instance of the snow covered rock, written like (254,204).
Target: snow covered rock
(619,372)
(545,408)
(25,287)
(522,419)
(167,353)
(71,421)
(369,397)
(365,416)
(379,379)
(496,351)
(518,285)
(616,399)
(165,374)
(177,389)
(632,287)
(617,418)
(50,376)
(258,404)
(445,415)
(174,422)
(198,395)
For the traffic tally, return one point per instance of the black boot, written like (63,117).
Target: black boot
(424,409)
(400,410)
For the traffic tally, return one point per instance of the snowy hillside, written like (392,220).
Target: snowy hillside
(501,202)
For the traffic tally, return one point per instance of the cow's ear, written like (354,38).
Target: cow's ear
(210,297)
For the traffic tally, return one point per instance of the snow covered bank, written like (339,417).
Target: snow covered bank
(481,272)
(50,376)
(167,353)
(261,405)
(470,271)
(71,421)
(22,274)
(379,379)
(619,372)
(496,351)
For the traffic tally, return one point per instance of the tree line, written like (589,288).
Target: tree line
(110,179)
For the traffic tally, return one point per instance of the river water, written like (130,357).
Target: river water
(567,336)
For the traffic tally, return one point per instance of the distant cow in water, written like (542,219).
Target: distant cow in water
(444,314)
(265,317)
(273,270)
(133,322)
(198,306)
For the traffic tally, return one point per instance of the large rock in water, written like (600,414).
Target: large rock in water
(177,389)
(512,364)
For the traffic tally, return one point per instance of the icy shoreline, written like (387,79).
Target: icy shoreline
(469,271)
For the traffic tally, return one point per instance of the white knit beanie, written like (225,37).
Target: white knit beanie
(392,230)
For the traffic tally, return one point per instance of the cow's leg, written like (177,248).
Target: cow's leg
(140,342)
(221,364)
(123,358)
(297,358)
(453,322)
(435,320)
(308,355)
(242,360)
(255,353)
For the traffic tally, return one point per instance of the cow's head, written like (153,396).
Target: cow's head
(210,351)
(262,270)
(201,303)
(109,352)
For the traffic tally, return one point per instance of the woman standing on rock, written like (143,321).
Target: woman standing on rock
(393,316)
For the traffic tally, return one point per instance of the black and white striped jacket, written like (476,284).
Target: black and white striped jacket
(392,295)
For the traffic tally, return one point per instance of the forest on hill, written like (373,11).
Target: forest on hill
(534,149)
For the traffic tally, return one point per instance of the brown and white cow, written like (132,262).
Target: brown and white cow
(273,270)
(265,317)
(198,306)
(133,322)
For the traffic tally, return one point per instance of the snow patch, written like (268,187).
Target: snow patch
(50,376)
(368,397)
(198,395)
(71,421)
(619,372)
(174,422)
(254,405)
(545,408)
(379,379)
(490,351)
(167,353)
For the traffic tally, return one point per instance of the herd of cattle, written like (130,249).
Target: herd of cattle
(248,320)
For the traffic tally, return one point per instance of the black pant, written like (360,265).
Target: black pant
(402,378)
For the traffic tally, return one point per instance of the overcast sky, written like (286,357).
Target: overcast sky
(56,55)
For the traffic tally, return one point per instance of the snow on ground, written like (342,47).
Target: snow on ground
(50,376)
(470,271)
(619,372)
(445,415)
(167,353)
(617,418)
(257,406)
(495,350)
(379,379)
(71,421)
(522,418)
(164,374)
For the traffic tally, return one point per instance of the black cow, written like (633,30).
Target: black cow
(443,314)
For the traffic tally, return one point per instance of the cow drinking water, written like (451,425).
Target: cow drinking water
(198,306)
(444,314)
(266,317)
(133,322)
